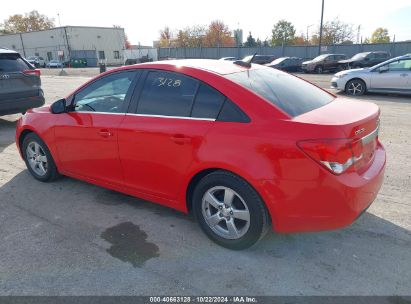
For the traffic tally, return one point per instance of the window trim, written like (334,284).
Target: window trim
(135,99)
(138,89)
(127,100)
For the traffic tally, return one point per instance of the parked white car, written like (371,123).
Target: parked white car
(391,76)
(37,61)
(54,64)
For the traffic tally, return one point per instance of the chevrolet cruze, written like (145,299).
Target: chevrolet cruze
(242,146)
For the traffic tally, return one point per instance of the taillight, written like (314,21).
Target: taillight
(337,155)
(32,72)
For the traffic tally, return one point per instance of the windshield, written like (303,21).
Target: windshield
(291,94)
(319,58)
(359,56)
(278,60)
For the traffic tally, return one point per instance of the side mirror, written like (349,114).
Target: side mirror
(58,106)
(384,69)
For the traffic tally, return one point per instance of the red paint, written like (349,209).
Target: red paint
(155,158)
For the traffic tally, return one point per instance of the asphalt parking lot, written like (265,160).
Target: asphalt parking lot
(73,238)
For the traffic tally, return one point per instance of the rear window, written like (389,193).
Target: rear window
(12,63)
(291,94)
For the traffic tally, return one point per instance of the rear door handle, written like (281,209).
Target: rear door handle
(105,133)
(181,139)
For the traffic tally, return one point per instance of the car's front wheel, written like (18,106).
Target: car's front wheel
(38,158)
(355,87)
(229,210)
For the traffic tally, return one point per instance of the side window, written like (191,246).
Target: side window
(167,94)
(400,65)
(208,102)
(106,94)
(232,113)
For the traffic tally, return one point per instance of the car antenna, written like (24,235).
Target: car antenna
(246,64)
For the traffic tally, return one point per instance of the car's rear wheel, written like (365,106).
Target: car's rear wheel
(355,87)
(229,210)
(319,69)
(38,159)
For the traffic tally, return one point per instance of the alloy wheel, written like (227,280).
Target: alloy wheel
(225,212)
(355,88)
(37,158)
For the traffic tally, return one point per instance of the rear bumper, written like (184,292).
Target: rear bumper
(20,105)
(325,202)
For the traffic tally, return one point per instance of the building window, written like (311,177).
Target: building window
(116,55)
(101,55)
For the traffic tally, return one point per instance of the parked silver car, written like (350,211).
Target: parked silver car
(391,76)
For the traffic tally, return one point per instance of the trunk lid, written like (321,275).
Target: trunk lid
(358,121)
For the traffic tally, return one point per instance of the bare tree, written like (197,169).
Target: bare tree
(166,37)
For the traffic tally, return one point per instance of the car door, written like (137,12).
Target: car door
(329,62)
(392,76)
(86,137)
(161,137)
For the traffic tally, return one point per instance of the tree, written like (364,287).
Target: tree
(334,32)
(282,33)
(380,35)
(127,43)
(299,40)
(182,39)
(196,35)
(250,41)
(32,21)
(165,37)
(218,35)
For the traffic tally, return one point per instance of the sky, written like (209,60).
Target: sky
(143,20)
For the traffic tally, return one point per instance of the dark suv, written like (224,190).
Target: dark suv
(366,59)
(322,63)
(20,84)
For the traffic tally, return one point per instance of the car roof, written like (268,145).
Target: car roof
(221,67)
(7,51)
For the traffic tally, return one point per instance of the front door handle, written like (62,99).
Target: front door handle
(105,133)
(181,139)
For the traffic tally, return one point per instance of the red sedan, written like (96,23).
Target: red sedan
(241,146)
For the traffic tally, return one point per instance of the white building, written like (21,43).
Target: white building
(74,42)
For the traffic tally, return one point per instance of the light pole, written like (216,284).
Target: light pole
(308,26)
(321,28)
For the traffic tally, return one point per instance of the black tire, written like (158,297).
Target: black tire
(319,69)
(259,220)
(355,87)
(51,172)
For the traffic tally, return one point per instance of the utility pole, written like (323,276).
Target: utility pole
(321,28)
